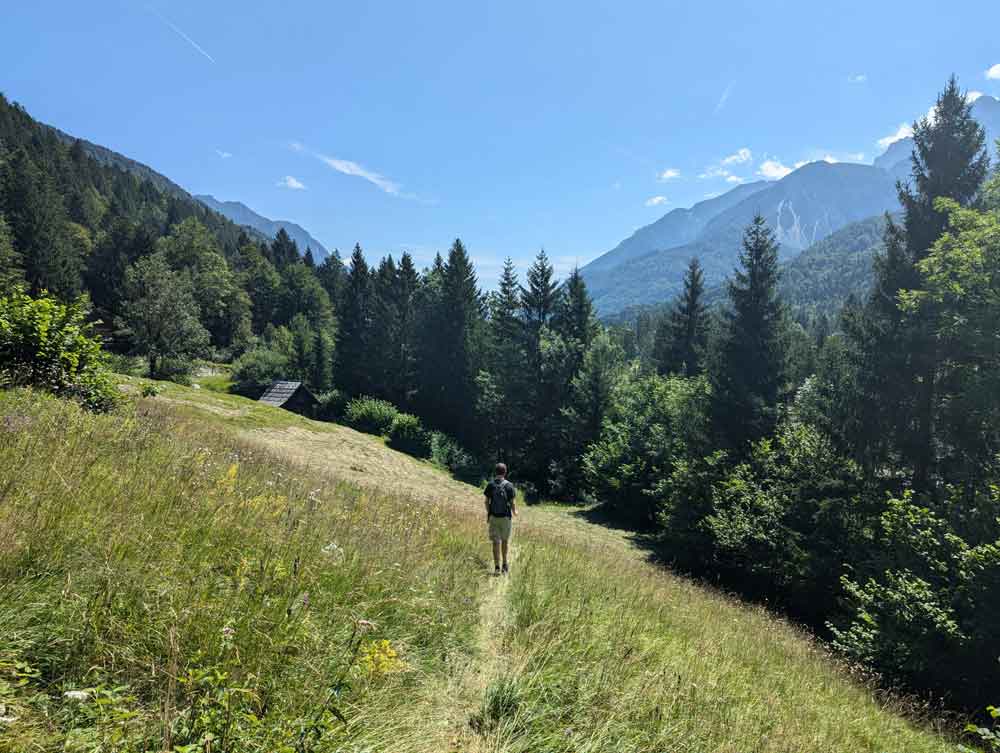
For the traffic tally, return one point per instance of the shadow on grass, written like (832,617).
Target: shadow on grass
(640,533)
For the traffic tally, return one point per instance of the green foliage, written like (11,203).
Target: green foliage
(331,405)
(49,345)
(407,434)
(447,453)
(255,370)
(370,415)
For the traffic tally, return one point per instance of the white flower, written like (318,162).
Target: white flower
(77,695)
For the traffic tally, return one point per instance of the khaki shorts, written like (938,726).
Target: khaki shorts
(499,528)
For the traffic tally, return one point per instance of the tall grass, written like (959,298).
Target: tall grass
(162,588)
(603,653)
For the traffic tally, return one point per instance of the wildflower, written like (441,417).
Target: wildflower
(228,632)
(380,658)
(77,695)
(365,625)
(305,599)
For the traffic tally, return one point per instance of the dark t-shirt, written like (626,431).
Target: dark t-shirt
(508,490)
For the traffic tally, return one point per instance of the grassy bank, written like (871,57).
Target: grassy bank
(202,573)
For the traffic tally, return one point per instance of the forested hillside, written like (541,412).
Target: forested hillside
(846,475)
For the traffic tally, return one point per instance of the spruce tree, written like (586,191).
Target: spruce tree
(681,337)
(355,319)
(332,276)
(307,258)
(573,317)
(283,250)
(538,299)
(11,271)
(406,346)
(898,357)
(749,380)
(383,344)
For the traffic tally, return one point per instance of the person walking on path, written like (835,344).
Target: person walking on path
(500,511)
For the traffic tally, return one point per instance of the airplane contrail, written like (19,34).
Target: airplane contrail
(180,32)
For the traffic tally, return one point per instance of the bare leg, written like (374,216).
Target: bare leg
(496,553)
(504,546)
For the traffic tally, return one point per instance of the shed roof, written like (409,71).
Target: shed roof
(279,393)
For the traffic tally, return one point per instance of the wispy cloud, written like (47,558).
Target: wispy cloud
(356,170)
(656,201)
(741,156)
(858,78)
(725,96)
(177,30)
(734,179)
(291,182)
(904,131)
(772,169)
(993,72)
(223,154)
(669,174)
(973,95)
(347,167)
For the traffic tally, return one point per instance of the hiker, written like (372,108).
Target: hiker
(500,510)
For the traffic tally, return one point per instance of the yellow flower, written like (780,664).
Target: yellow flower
(380,658)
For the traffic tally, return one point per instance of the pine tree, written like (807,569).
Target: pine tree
(322,361)
(407,297)
(538,300)
(750,378)
(383,343)
(682,335)
(307,258)
(302,361)
(898,357)
(283,251)
(38,223)
(573,317)
(332,276)
(11,271)
(355,319)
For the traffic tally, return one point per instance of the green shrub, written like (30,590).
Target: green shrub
(447,453)
(331,405)
(370,415)
(127,365)
(254,371)
(50,345)
(407,434)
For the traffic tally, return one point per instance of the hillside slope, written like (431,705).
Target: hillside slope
(209,571)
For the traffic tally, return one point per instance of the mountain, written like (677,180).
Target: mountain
(241,214)
(675,228)
(804,207)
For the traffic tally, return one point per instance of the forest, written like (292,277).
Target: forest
(846,474)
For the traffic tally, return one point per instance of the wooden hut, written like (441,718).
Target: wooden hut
(292,396)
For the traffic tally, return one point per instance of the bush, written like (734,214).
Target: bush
(407,434)
(49,345)
(331,405)
(370,415)
(254,371)
(127,365)
(447,453)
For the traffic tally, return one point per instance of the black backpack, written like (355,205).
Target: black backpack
(499,500)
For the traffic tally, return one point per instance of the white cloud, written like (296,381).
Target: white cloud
(772,169)
(858,78)
(800,163)
(734,179)
(347,167)
(714,171)
(223,154)
(712,195)
(656,201)
(669,174)
(973,95)
(290,182)
(903,132)
(993,73)
(741,156)
(296,146)
(725,96)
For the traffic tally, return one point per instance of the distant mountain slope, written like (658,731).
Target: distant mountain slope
(241,214)
(675,228)
(804,207)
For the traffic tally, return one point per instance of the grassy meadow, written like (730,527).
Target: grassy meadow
(202,573)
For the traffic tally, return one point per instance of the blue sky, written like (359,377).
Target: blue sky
(514,125)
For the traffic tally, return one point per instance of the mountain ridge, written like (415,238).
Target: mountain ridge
(241,214)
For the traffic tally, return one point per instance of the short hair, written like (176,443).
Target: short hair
(500,470)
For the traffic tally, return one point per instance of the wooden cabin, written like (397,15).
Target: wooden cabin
(292,396)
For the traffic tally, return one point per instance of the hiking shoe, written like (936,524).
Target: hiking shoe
(506,570)
(497,571)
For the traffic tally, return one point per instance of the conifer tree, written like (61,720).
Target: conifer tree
(538,299)
(332,275)
(355,319)
(307,258)
(11,271)
(898,357)
(406,346)
(750,378)
(573,317)
(681,336)
(321,378)
(283,250)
